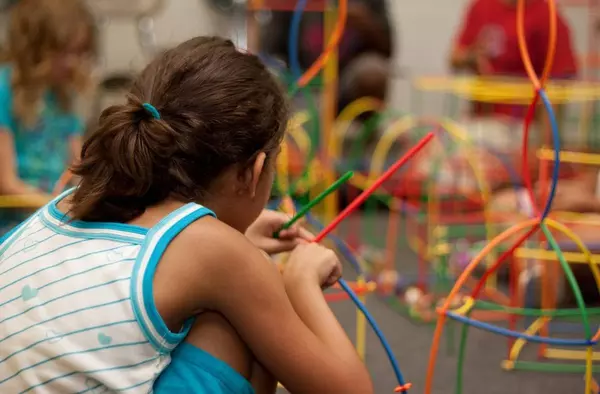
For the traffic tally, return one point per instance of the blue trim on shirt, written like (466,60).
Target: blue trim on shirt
(105,234)
(21,227)
(79,224)
(105,230)
(164,341)
(6,242)
(159,324)
(8,234)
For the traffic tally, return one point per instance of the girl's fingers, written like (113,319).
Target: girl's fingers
(331,280)
(289,233)
(282,216)
(305,234)
(296,232)
(284,245)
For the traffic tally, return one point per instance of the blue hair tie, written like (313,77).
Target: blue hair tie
(151,110)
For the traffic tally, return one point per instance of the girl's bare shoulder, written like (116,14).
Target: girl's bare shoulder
(197,265)
(207,239)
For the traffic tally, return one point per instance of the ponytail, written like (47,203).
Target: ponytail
(193,113)
(124,164)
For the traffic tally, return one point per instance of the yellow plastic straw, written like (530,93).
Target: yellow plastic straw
(568,354)
(361,325)
(571,157)
(507,90)
(520,343)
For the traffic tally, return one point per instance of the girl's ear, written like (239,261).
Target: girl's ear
(257,169)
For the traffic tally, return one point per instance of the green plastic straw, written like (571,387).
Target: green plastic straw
(333,187)
(573,312)
(461,356)
(570,279)
(313,120)
(552,367)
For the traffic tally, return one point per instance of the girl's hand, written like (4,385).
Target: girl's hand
(260,233)
(313,263)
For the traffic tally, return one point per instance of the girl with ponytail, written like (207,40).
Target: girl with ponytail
(151,275)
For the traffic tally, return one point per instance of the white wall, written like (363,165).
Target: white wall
(179,20)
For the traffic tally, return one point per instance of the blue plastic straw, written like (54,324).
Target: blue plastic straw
(556,141)
(516,334)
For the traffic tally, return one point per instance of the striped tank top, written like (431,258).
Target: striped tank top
(77,313)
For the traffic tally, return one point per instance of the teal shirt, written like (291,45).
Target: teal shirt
(42,152)
(194,371)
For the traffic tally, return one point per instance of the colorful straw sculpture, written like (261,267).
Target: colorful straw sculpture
(317,158)
(537,332)
(435,210)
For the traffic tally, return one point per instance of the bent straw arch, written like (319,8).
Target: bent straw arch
(539,323)
(403,125)
(457,134)
(460,281)
(342,123)
(294,133)
(389,114)
(503,236)
(348,114)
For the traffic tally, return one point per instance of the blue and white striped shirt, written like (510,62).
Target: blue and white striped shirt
(77,312)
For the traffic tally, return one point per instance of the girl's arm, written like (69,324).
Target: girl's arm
(10,183)
(287,325)
(75,145)
(262,380)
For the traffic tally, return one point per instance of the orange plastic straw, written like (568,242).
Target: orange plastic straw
(538,83)
(336,36)
(459,284)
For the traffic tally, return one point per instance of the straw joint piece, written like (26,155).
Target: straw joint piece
(402,389)
(466,307)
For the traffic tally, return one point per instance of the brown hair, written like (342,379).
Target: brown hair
(38,31)
(218,108)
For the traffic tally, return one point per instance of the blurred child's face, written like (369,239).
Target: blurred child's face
(66,61)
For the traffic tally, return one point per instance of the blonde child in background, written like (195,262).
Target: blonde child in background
(50,46)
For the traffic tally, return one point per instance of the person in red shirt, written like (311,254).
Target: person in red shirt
(488,45)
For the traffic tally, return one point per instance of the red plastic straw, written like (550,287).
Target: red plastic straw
(371,189)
